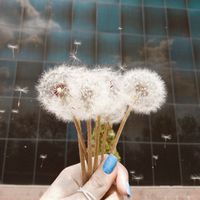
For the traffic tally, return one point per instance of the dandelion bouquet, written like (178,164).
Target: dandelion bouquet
(100,97)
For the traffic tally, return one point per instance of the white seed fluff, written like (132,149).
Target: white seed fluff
(145,90)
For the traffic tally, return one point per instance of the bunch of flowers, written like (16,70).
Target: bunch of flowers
(100,96)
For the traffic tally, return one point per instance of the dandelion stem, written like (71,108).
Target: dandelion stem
(121,126)
(103,144)
(97,137)
(89,143)
(80,136)
(19,99)
(82,161)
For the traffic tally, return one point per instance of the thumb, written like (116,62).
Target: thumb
(101,180)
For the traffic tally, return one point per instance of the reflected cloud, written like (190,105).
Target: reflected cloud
(34,25)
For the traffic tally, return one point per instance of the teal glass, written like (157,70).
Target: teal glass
(58,46)
(178,24)
(108,44)
(132,2)
(176,3)
(194,4)
(108,18)
(7,75)
(181,53)
(60,12)
(194,17)
(84,16)
(155,21)
(132,19)
(133,49)
(154,3)
(196,51)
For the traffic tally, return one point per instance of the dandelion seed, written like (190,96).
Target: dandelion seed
(138,178)
(155,158)
(194,178)
(74,58)
(77,43)
(43,158)
(15,111)
(166,138)
(120,28)
(13,48)
(21,91)
(123,67)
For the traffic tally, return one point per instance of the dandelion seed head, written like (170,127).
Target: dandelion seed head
(145,90)
(56,88)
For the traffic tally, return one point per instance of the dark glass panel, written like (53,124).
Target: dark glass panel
(166,166)
(19,162)
(49,153)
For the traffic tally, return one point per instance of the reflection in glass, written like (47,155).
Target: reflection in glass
(167,170)
(138,159)
(190,161)
(8,37)
(181,53)
(5,106)
(72,156)
(185,87)
(2,143)
(176,4)
(194,4)
(32,44)
(86,51)
(84,15)
(132,2)
(135,24)
(7,75)
(154,3)
(188,118)
(58,46)
(108,18)
(163,123)
(19,162)
(137,128)
(178,22)
(132,49)
(24,122)
(50,127)
(196,50)
(155,22)
(60,15)
(27,76)
(194,16)
(14,9)
(108,44)
(49,153)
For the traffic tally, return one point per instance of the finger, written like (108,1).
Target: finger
(101,180)
(122,181)
(113,194)
(67,182)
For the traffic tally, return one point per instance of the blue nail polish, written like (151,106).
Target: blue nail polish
(128,190)
(109,164)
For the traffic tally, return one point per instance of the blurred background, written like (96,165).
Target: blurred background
(162,35)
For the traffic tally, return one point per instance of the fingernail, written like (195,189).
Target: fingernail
(109,164)
(128,190)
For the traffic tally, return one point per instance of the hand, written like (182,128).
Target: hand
(109,182)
